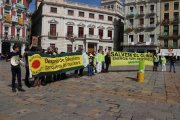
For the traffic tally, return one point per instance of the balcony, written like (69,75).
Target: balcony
(166,35)
(140,14)
(107,39)
(10,38)
(140,27)
(151,26)
(175,21)
(8,5)
(141,2)
(165,22)
(129,29)
(133,2)
(151,13)
(53,35)
(20,7)
(92,36)
(145,44)
(130,15)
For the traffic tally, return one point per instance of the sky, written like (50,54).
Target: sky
(91,2)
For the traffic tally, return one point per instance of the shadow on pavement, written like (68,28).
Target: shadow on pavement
(133,79)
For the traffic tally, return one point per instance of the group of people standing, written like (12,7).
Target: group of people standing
(98,62)
(162,60)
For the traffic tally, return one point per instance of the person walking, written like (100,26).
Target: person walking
(163,63)
(14,57)
(172,62)
(156,62)
(107,61)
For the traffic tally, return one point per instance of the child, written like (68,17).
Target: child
(163,62)
(14,57)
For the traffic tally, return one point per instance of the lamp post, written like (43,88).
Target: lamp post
(85,43)
(72,39)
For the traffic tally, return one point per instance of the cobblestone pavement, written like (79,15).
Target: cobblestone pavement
(112,96)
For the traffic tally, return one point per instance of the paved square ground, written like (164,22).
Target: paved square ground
(107,96)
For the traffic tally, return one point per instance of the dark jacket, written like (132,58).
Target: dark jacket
(172,59)
(107,59)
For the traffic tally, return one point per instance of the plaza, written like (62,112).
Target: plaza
(106,96)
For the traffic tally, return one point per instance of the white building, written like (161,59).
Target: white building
(142,26)
(70,26)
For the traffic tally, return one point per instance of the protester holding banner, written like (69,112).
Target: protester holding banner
(91,65)
(172,62)
(156,62)
(15,57)
(107,61)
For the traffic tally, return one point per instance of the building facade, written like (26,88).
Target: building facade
(70,26)
(170,24)
(14,24)
(142,28)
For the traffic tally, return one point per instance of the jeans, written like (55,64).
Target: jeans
(107,67)
(90,70)
(16,72)
(172,65)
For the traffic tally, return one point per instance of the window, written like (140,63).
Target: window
(141,38)
(53,10)
(152,38)
(166,16)
(166,6)
(69,48)
(81,14)
(110,18)
(176,5)
(141,9)
(69,31)
(152,8)
(8,1)
(101,33)
(175,30)
(165,43)
(70,12)
(112,6)
(131,38)
(19,1)
(53,29)
(131,22)
(166,30)
(175,43)
(141,21)
(91,31)
(109,48)
(101,17)
(176,16)
(81,32)
(52,45)
(91,15)
(110,34)
(18,32)
(131,9)
(152,21)
(100,47)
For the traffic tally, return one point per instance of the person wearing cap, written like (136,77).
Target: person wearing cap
(163,63)
(14,57)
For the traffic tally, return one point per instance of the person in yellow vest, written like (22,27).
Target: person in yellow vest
(156,62)
(163,63)
(98,62)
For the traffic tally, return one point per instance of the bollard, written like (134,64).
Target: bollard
(140,74)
